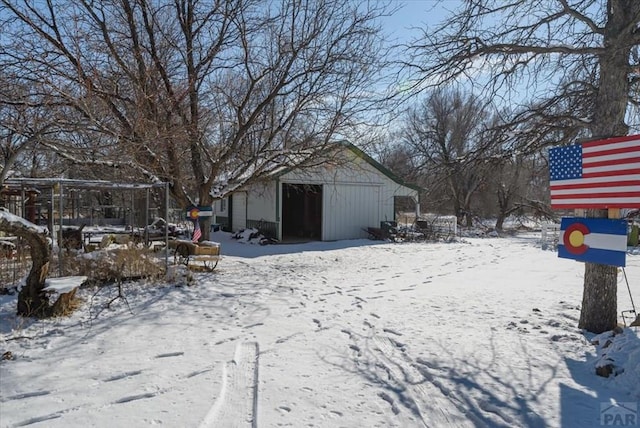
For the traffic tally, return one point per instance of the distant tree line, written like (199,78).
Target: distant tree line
(578,64)
(457,150)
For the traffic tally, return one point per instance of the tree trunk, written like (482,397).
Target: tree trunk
(469,220)
(599,301)
(205,227)
(32,301)
(205,224)
(467,210)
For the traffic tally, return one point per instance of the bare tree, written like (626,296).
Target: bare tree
(513,190)
(579,61)
(513,182)
(25,121)
(208,95)
(400,159)
(444,134)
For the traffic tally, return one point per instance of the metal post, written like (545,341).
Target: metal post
(278,209)
(131,215)
(50,220)
(23,208)
(146,220)
(166,229)
(60,229)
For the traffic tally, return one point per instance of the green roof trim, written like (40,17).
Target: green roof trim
(371,161)
(377,165)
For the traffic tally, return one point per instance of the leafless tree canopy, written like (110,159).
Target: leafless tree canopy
(208,95)
(444,133)
(548,60)
(24,122)
(576,65)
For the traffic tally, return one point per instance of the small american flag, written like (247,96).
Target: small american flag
(596,174)
(197,233)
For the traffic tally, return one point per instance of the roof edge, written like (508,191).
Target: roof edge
(377,165)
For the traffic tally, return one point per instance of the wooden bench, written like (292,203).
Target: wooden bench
(206,252)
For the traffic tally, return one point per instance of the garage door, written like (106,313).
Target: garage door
(348,209)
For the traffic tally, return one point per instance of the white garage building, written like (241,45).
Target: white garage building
(338,200)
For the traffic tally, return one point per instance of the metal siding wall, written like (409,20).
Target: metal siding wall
(261,204)
(239,211)
(391,189)
(347,209)
(353,197)
(218,207)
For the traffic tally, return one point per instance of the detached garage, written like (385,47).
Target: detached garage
(338,200)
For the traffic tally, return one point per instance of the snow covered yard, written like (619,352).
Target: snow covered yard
(345,334)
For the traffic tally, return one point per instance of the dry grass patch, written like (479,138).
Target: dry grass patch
(114,264)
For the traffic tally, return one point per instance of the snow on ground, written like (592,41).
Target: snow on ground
(476,333)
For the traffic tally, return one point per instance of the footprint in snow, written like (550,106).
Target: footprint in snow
(28,395)
(170,354)
(123,375)
(135,397)
(39,419)
(386,397)
(197,373)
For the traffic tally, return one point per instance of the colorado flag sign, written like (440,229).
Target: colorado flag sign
(595,240)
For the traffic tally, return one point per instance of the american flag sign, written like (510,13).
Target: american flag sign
(596,174)
(197,233)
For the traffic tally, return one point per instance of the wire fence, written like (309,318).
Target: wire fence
(15,262)
(113,261)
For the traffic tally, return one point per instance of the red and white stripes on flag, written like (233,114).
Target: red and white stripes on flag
(197,233)
(596,174)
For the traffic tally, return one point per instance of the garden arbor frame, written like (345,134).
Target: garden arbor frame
(58,187)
